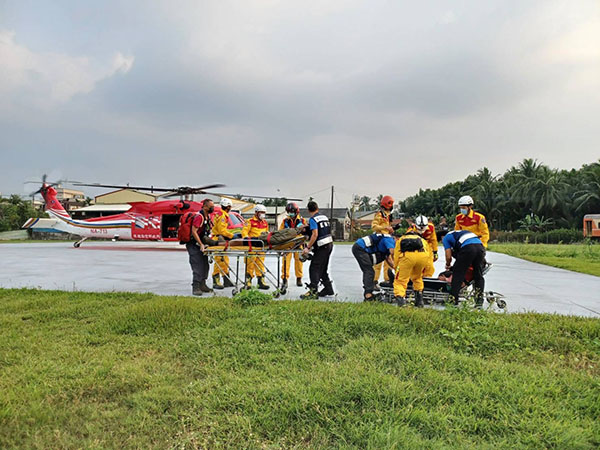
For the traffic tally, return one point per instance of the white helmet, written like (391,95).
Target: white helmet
(465,200)
(421,223)
(260,208)
(225,202)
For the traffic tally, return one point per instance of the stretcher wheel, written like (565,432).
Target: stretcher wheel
(501,303)
(283,291)
(234,291)
(276,294)
(76,245)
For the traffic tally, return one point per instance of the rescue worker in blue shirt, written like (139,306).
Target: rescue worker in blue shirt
(370,251)
(468,251)
(321,242)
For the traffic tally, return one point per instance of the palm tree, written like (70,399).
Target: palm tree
(587,198)
(365,203)
(548,193)
(525,177)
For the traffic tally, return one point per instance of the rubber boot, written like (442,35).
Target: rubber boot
(216,282)
(327,290)
(299,281)
(311,294)
(227,281)
(196,289)
(204,287)
(400,301)
(261,284)
(418,299)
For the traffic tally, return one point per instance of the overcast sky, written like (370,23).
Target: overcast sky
(370,96)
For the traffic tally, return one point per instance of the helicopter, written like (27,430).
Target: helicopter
(144,221)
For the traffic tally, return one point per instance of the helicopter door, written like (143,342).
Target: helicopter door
(146,228)
(169,227)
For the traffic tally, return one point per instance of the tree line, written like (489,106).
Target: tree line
(14,212)
(527,195)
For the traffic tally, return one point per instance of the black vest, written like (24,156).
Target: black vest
(323,229)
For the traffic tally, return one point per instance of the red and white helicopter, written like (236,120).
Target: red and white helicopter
(144,221)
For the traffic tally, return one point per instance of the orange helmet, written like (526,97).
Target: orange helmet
(387,202)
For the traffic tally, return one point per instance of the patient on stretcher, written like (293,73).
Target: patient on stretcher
(286,239)
(447,276)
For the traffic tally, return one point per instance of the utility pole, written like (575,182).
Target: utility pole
(276,209)
(331,205)
(331,210)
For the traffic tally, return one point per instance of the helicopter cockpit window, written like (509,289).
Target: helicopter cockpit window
(235,220)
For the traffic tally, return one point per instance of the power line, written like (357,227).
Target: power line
(316,192)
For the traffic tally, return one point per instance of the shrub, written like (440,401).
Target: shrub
(251,297)
(558,236)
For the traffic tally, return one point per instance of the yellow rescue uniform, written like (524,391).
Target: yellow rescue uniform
(475,223)
(410,264)
(381,224)
(431,238)
(255,264)
(221,228)
(288,222)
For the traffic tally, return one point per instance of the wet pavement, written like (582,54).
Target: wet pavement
(163,269)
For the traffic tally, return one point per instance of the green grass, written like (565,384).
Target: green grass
(584,258)
(119,370)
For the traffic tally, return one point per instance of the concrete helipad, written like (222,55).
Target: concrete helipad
(164,269)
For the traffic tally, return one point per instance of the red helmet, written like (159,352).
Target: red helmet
(292,208)
(387,202)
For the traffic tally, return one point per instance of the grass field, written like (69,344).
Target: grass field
(80,370)
(584,258)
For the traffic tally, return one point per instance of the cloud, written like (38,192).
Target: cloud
(43,79)
(448,18)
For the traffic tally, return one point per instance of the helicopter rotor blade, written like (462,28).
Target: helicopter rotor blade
(170,194)
(120,186)
(181,190)
(44,184)
(259,196)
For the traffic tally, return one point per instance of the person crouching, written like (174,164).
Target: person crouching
(370,251)
(411,256)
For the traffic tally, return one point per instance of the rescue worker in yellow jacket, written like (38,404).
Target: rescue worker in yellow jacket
(382,223)
(426,229)
(255,262)
(471,221)
(293,220)
(221,229)
(411,256)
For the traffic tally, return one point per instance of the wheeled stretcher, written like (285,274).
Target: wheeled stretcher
(437,292)
(243,254)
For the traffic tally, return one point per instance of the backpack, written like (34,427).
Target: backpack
(411,244)
(184,232)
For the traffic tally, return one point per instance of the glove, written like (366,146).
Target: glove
(435,256)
